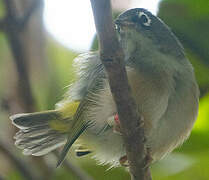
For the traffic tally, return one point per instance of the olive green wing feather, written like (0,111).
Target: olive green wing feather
(91,74)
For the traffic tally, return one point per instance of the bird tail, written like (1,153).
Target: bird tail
(40,132)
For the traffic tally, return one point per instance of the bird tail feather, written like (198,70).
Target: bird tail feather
(40,132)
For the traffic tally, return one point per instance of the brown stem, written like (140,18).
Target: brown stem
(82,175)
(1,178)
(13,27)
(19,164)
(112,57)
(14,35)
(24,87)
(28,13)
(2,24)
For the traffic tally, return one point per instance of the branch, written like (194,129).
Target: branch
(13,34)
(24,87)
(11,20)
(2,24)
(14,27)
(28,13)
(15,38)
(79,173)
(113,59)
(10,8)
(19,164)
(1,178)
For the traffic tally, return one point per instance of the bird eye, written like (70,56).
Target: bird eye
(144,19)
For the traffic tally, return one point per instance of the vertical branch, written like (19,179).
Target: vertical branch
(19,164)
(28,13)
(112,57)
(14,28)
(24,87)
(1,178)
(14,33)
(11,26)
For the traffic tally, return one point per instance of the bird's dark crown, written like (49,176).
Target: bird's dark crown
(155,29)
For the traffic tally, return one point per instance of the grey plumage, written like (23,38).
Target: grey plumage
(91,74)
(162,82)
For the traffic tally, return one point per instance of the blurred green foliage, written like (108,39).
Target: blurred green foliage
(189,20)
(2,9)
(60,75)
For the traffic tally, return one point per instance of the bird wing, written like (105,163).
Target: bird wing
(90,73)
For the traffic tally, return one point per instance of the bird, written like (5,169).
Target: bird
(163,86)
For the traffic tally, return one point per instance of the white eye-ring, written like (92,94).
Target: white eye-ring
(146,21)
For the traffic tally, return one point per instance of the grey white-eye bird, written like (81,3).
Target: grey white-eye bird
(163,85)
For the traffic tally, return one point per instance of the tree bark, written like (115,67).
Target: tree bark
(112,57)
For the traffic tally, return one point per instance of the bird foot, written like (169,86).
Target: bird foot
(114,122)
(124,161)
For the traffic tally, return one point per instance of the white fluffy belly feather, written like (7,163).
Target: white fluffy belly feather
(168,119)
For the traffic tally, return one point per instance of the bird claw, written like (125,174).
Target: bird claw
(124,161)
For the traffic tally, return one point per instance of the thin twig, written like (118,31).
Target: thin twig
(19,163)
(78,172)
(113,59)
(1,178)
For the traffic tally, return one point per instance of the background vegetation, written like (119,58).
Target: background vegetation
(50,70)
